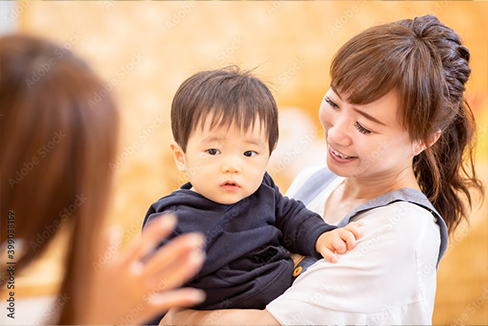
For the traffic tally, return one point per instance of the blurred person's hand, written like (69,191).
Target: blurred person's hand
(136,286)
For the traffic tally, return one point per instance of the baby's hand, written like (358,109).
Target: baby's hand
(338,241)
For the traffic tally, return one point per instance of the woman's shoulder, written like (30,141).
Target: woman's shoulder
(401,225)
(401,213)
(302,177)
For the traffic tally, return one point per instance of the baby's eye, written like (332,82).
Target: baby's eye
(249,153)
(213,151)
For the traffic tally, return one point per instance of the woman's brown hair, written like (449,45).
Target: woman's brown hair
(59,129)
(425,62)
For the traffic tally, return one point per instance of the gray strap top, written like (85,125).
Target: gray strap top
(322,178)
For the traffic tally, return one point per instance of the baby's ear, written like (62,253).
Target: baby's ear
(179,156)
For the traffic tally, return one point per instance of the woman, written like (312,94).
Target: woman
(59,129)
(400,139)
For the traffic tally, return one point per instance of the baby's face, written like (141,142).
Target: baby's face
(226,165)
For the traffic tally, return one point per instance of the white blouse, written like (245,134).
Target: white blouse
(388,278)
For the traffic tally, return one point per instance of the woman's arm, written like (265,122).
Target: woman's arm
(179,316)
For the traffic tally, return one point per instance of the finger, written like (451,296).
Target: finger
(111,241)
(354,228)
(177,261)
(338,245)
(114,234)
(349,240)
(183,270)
(155,232)
(160,303)
(328,255)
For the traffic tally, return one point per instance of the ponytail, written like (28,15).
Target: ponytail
(446,172)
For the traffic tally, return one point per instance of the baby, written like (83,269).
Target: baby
(225,126)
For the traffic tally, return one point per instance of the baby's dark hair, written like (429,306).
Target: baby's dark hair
(229,96)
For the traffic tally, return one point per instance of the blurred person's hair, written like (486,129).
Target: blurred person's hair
(59,131)
(229,96)
(425,62)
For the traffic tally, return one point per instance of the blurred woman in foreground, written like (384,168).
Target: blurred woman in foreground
(59,129)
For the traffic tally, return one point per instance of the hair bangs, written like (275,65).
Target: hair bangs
(366,68)
(221,99)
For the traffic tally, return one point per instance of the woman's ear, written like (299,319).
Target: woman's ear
(434,137)
(179,156)
(419,146)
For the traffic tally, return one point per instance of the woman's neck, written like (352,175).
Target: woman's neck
(364,189)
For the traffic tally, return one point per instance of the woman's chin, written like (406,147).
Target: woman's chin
(343,170)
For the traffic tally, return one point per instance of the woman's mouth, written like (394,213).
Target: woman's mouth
(339,157)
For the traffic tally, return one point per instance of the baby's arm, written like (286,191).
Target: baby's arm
(339,240)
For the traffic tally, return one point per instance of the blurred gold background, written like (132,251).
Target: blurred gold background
(145,50)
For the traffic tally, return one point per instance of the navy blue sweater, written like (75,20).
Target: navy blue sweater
(247,265)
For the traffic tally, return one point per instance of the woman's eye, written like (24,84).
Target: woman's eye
(213,151)
(249,153)
(329,101)
(362,129)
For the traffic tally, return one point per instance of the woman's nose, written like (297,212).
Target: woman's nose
(339,132)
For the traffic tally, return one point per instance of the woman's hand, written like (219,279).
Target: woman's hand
(133,288)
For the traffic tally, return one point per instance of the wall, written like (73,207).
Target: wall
(145,50)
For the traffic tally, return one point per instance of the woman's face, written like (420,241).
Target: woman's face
(365,141)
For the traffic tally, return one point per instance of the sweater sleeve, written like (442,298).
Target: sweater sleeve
(300,226)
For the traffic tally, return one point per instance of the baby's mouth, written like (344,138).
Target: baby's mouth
(230,185)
